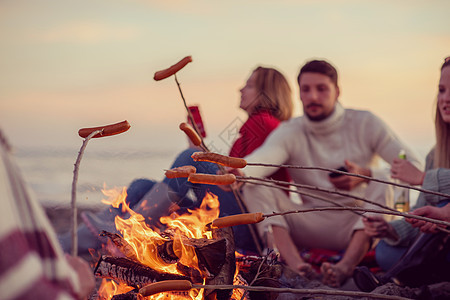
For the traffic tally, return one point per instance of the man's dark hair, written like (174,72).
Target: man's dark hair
(319,66)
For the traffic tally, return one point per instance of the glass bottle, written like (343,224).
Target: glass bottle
(402,198)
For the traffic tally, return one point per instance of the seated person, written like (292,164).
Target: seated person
(425,262)
(330,136)
(32,264)
(398,236)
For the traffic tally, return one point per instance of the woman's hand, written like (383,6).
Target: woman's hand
(348,183)
(438,213)
(377,227)
(405,171)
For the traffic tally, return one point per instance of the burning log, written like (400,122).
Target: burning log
(131,295)
(226,274)
(192,273)
(210,253)
(130,272)
(121,244)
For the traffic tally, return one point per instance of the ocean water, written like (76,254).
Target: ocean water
(49,172)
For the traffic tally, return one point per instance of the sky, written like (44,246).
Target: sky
(66,65)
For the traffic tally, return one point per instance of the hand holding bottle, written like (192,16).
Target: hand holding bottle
(405,171)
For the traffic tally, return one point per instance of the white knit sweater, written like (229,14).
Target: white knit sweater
(354,135)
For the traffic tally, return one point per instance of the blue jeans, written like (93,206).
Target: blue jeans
(135,191)
(228,203)
(387,256)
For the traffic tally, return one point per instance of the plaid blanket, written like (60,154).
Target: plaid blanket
(32,264)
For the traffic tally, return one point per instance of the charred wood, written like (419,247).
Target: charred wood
(226,273)
(130,272)
(192,273)
(166,252)
(121,244)
(211,253)
(131,295)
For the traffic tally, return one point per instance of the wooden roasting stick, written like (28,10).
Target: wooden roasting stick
(407,186)
(172,71)
(185,285)
(226,179)
(87,134)
(240,163)
(252,218)
(237,163)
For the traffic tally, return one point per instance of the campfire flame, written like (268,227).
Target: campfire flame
(110,288)
(144,240)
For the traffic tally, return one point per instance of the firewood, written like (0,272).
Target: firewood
(166,252)
(131,295)
(210,253)
(259,271)
(131,272)
(226,274)
(121,244)
(190,272)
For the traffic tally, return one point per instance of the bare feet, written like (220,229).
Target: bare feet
(305,269)
(334,275)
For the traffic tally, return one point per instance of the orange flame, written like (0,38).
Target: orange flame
(109,288)
(144,241)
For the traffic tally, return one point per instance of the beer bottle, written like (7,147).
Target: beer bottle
(402,197)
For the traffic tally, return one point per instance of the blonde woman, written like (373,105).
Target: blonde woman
(402,244)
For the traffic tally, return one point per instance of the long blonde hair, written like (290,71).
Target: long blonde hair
(276,95)
(442,150)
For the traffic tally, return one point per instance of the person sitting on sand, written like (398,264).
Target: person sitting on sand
(399,236)
(32,264)
(329,136)
(266,98)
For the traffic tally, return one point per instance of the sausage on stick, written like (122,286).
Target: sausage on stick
(165,286)
(233,162)
(107,130)
(191,133)
(163,74)
(212,179)
(241,219)
(183,171)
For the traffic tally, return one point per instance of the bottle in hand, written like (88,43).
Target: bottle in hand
(402,200)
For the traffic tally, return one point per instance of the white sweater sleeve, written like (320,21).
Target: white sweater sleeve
(386,144)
